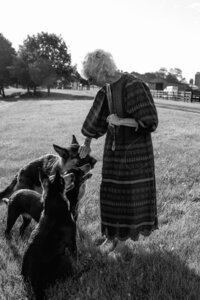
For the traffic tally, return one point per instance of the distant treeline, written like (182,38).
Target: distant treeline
(43,60)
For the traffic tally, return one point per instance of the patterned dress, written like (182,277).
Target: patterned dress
(128,190)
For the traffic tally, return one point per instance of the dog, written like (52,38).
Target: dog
(29,203)
(82,174)
(45,260)
(28,176)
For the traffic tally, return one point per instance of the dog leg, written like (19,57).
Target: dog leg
(11,219)
(64,267)
(26,222)
(72,247)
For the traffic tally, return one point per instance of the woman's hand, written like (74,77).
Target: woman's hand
(113,119)
(85,149)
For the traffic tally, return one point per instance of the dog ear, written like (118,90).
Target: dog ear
(62,152)
(74,140)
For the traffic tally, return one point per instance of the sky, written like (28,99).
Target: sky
(142,35)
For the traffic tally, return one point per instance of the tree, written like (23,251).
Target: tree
(84,82)
(42,73)
(191,81)
(177,73)
(150,76)
(172,78)
(136,74)
(7,53)
(47,51)
(162,72)
(20,72)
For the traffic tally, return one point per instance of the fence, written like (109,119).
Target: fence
(178,96)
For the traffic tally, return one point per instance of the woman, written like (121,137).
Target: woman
(123,109)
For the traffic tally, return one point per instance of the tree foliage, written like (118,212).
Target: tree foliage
(7,53)
(47,58)
(20,73)
(171,78)
(47,46)
(162,72)
(150,76)
(42,73)
(173,75)
(191,81)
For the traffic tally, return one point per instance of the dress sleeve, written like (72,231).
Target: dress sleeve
(139,105)
(95,124)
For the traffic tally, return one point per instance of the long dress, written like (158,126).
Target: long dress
(128,189)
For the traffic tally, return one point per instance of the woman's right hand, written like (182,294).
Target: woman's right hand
(113,119)
(84,150)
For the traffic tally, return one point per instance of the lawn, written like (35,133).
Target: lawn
(164,266)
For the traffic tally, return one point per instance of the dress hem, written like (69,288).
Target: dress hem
(131,234)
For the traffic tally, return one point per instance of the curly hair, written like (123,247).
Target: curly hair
(98,65)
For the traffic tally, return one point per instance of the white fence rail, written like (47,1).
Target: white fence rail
(178,96)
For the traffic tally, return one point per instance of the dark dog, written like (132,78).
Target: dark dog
(45,259)
(81,174)
(28,176)
(23,202)
(29,203)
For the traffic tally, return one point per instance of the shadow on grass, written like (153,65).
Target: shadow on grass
(137,275)
(43,96)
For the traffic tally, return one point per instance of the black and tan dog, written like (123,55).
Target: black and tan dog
(28,176)
(46,259)
(29,204)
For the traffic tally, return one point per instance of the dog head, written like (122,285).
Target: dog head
(56,215)
(81,175)
(69,157)
(83,161)
(55,188)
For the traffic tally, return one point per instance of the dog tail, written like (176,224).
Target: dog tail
(8,190)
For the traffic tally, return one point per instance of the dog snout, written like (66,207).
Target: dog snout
(93,161)
(86,168)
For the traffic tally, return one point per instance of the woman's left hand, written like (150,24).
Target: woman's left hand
(113,119)
(84,150)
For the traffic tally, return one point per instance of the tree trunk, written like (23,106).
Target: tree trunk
(2,91)
(34,90)
(48,91)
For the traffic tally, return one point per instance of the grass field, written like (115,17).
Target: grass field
(164,266)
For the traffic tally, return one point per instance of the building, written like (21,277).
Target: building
(197,79)
(160,84)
